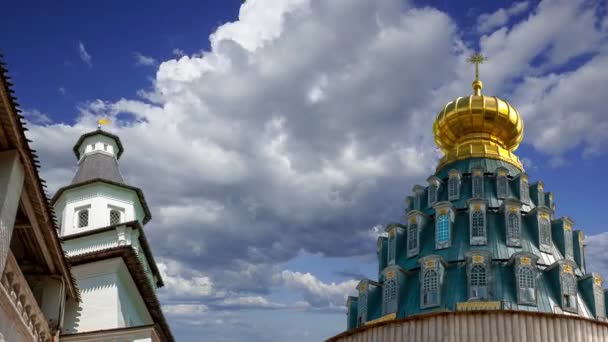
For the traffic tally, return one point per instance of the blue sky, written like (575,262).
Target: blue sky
(272,138)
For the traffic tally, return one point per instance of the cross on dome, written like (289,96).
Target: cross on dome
(477,59)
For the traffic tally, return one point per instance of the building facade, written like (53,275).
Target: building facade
(36,281)
(480,247)
(87,274)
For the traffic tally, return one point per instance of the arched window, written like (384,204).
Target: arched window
(390,296)
(430,289)
(526,285)
(454,187)
(545,232)
(478,186)
(443,231)
(114,217)
(478,227)
(432,195)
(479,282)
(83,218)
(524,190)
(600,308)
(568,292)
(541,198)
(362,309)
(502,187)
(412,239)
(513,227)
(568,244)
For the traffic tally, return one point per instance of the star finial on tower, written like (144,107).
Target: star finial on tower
(477,59)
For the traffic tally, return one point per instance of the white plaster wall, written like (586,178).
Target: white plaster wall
(97,310)
(109,298)
(109,239)
(11,329)
(99,198)
(96,143)
(133,311)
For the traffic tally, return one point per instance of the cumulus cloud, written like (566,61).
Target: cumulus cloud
(317,293)
(37,117)
(489,21)
(142,60)
(84,55)
(595,253)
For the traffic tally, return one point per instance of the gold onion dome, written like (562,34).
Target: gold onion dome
(478,126)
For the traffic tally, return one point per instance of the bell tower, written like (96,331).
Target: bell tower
(101,222)
(98,195)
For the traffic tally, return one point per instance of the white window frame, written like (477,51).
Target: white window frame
(569,292)
(524,190)
(434,289)
(77,212)
(502,183)
(513,239)
(544,232)
(390,294)
(413,227)
(521,289)
(477,175)
(474,289)
(454,186)
(433,194)
(483,239)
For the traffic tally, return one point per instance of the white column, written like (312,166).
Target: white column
(11,184)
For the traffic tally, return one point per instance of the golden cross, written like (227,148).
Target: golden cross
(477,59)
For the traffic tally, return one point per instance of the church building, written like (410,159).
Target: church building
(100,221)
(480,254)
(77,267)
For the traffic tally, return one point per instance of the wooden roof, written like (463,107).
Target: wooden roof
(38,232)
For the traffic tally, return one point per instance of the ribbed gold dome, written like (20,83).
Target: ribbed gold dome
(478,126)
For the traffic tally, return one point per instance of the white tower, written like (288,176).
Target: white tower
(101,222)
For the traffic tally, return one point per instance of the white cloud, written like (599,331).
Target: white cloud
(178,52)
(143,60)
(250,302)
(84,55)
(489,21)
(62,90)
(595,253)
(184,283)
(37,117)
(317,293)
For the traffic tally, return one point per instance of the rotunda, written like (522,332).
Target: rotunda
(481,255)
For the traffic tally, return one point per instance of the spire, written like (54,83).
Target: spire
(477,59)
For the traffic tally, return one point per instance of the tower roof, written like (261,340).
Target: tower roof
(478,126)
(99,131)
(98,165)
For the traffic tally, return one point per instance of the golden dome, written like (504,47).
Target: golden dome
(478,126)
